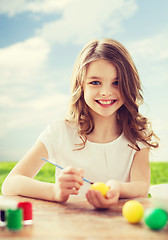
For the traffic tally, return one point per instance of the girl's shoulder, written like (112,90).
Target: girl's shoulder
(128,142)
(142,145)
(58,130)
(61,126)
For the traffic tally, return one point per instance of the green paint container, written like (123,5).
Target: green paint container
(14,219)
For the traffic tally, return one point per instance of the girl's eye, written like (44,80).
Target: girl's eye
(95,83)
(115,83)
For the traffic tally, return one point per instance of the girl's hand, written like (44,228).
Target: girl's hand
(68,183)
(96,199)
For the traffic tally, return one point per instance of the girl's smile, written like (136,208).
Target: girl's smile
(101,91)
(106,103)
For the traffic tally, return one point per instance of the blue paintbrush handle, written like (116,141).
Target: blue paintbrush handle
(84,179)
(52,163)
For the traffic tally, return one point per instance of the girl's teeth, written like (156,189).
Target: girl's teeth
(106,102)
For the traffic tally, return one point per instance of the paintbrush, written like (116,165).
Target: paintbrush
(84,179)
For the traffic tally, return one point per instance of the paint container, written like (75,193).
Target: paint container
(4,205)
(27,212)
(14,219)
(2,218)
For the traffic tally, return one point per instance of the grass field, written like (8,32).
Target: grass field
(159,172)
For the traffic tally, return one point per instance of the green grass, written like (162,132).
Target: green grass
(159,172)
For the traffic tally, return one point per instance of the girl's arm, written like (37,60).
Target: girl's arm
(20,180)
(137,187)
(139,176)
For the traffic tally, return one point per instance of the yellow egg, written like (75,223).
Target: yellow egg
(133,211)
(101,187)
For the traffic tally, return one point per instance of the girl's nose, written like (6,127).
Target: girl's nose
(106,91)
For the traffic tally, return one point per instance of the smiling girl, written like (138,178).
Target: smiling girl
(103,137)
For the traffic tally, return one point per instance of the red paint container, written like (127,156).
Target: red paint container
(27,212)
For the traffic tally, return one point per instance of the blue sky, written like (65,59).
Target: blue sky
(39,42)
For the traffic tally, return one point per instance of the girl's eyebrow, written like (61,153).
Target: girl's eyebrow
(96,77)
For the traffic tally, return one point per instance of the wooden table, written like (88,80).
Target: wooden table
(76,219)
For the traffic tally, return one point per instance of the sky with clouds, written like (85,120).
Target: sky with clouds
(39,42)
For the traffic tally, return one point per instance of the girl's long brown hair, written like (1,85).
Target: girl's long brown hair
(135,126)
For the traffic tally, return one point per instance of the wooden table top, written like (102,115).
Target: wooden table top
(76,219)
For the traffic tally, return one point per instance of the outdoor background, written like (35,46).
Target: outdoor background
(39,42)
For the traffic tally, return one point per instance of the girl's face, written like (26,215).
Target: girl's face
(101,91)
